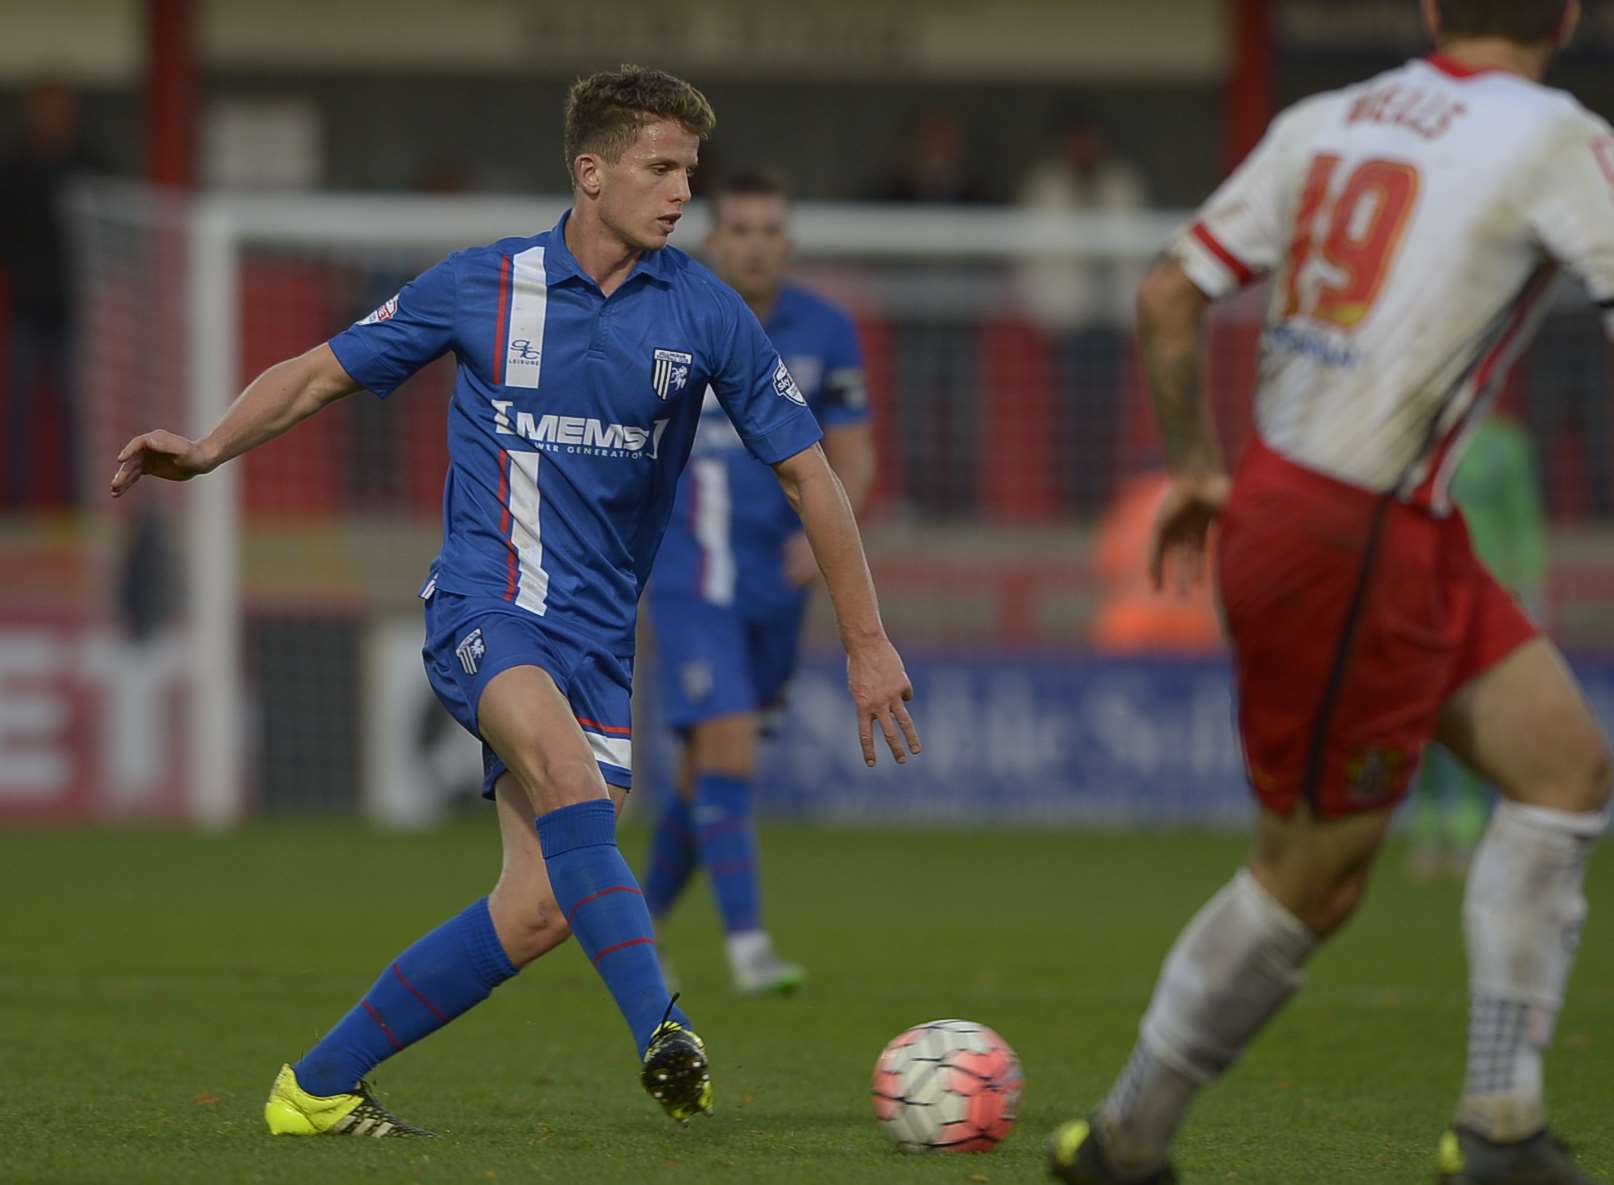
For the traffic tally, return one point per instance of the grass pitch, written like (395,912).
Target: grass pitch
(151,983)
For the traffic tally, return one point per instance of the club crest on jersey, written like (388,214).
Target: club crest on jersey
(384,313)
(669,371)
(470,651)
(786,386)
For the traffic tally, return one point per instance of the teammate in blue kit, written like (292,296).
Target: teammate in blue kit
(584,353)
(731,585)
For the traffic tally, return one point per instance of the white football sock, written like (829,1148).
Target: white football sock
(1233,968)
(1522,915)
(747,948)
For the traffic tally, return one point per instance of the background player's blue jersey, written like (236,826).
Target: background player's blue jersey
(731,520)
(573,414)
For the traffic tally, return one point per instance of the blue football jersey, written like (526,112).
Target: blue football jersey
(573,415)
(725,542)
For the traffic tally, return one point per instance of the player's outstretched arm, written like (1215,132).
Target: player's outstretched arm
(281,396)
(875,674)
(1171,314)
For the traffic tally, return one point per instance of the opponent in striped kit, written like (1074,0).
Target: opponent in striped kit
(584,353)
(730,588)
(1410,227)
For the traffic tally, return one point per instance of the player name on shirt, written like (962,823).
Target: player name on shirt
(1428,114)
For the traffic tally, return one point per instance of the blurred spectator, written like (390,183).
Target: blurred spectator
(1080,175)
(445,176)
(933,166)
(938,361)
(1085,307)
(1132,618)
(34,174)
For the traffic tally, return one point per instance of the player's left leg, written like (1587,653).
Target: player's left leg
(724,750)
(674,856)
(559,749)
(701,652)
(723,760)
(1523,725)
(534,730)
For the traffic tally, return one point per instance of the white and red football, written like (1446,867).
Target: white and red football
(950,1085)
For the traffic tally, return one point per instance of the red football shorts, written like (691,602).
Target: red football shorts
(1353,620)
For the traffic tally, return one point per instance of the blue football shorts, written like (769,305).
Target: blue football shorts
(469,640)
(716,661)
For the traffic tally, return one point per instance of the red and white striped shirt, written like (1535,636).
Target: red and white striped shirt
(1412,226)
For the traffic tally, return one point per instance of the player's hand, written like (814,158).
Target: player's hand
(167,455)
(801,566)
(1177,540)
(880,687)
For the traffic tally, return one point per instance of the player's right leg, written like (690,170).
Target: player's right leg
(1239,961)
(1524,726)
(533,728)
(1334,705)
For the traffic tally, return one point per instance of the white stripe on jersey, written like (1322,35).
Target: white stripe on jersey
(617,751)
(712,520)
(529,306)
(532,582)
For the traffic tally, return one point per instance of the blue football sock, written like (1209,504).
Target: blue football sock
(606,909)
(673,857)
(442,975)
(728,847)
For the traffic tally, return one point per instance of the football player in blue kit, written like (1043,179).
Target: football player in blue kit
(584,353)
(730,588)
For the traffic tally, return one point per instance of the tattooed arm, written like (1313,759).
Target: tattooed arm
(1171,311)
(1170,318)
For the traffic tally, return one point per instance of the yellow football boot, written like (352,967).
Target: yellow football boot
(292,1111)
(1468,1158)
(1075,1157)
(676,1073)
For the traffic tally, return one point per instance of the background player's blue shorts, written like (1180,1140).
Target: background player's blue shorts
(471,639)
(717,661)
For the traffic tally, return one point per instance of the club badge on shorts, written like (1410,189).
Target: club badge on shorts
(669,371)
(697,680)
(470,651)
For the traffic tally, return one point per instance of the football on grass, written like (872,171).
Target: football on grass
(950,1085)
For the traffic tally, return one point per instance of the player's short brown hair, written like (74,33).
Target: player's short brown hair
(748,183)
(605,111)
(1529,22)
